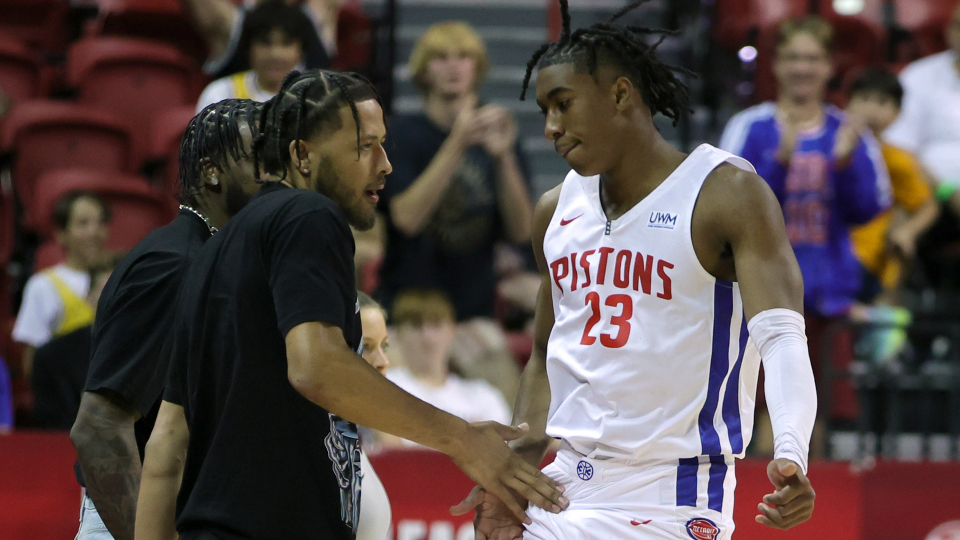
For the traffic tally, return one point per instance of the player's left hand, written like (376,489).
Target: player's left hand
(493,520)
(792,502)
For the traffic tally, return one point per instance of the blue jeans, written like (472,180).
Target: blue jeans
(91,526)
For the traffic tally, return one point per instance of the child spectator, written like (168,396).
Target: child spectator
(829,176)
(425,330)
(929,127)
(275,40)
(60,366)
(888,241)
(54,300)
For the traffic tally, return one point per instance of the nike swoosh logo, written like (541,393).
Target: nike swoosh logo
(636,523)
(568,221)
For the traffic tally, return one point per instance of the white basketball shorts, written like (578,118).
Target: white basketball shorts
(612,500)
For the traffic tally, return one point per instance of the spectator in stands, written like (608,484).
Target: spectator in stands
(828,174)
(376,340)
(60,366)
(227,31)
(888,241)
(929,126)
(426,332)
(458,187)
(375,512)
(276,36)
(53,300)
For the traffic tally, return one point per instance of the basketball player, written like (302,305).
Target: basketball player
(663,276)
(130,350)
(267,384)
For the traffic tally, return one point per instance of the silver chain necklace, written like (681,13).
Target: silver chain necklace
(213,230)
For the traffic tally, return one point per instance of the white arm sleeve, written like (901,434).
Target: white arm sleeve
(790,388)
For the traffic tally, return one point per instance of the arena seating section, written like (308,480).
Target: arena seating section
(101,94)
(891,32)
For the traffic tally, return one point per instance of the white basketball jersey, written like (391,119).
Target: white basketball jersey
(649,357)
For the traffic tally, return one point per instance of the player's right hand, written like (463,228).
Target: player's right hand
(493,520)
(484,457)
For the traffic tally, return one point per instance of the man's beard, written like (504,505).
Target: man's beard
(331,183)
(236,199)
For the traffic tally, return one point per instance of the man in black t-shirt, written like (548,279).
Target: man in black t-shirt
(130,346)
(266,383)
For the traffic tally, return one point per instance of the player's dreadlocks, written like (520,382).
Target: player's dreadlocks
(214,134)
(623,47)
(308,104)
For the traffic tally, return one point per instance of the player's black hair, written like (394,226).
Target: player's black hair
(214,134)
(624,47)
(64,207)
(308,104)
(879,80)
(274,15)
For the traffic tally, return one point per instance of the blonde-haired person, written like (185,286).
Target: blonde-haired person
(425,327)
(375,513)
(458,188)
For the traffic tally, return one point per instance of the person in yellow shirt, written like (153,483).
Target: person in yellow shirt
(887,243)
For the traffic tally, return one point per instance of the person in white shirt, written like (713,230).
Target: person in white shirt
(375,513)
(929,124)
(275,41)
(54,300)
(426,331)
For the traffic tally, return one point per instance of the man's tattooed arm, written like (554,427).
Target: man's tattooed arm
(107,448)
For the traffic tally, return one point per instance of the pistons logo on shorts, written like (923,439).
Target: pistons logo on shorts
(584,470)
(702,529)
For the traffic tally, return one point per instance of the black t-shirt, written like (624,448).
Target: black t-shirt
(59,371)
(130,352)
(454,253)
(263,461)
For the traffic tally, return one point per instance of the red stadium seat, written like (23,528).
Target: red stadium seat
(165,137)
(159,20)
(21,75)
(133,78)
(137,208)
(354,39)
(48,135)
(40,23)
(735,20)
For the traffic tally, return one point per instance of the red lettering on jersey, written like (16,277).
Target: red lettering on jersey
(662,267)
(585,264)
(642,272)
(621,273)
(573,266)
(602,271)
(621,321)
(560,269)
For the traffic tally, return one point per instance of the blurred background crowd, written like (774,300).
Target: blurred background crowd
(849,109)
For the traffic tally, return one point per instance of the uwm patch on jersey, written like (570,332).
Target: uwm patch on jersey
(649,357)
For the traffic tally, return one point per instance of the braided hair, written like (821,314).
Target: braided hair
(214,134)
(307,105)
(623,47)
